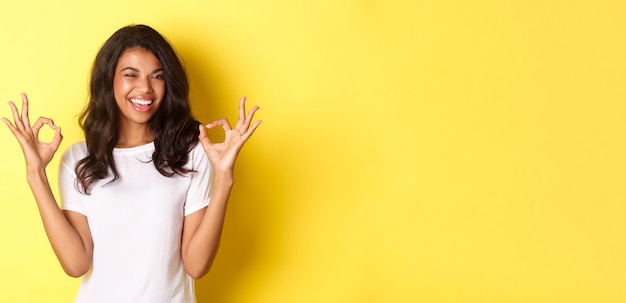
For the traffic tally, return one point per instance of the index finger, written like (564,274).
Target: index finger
(40,122)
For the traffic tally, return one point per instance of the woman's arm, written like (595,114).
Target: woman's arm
(202,230)
(67,232)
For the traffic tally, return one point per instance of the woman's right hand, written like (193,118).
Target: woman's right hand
(37,153)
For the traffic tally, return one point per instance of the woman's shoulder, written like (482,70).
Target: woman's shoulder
(196,148)
(197,156)
(75,152)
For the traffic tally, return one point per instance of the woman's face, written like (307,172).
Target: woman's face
(138,86)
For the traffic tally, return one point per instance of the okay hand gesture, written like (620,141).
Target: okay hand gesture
(223,155)
(37,153)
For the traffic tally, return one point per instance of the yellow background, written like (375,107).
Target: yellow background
(412,151)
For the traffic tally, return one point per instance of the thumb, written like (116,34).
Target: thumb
(204,139)
(58,137)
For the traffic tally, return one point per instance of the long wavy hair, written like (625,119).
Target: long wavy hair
(173,126)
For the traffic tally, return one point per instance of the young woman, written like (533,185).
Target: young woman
(144,197)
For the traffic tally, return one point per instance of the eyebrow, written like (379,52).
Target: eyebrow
(137,71)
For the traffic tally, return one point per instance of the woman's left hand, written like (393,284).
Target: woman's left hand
(223,155)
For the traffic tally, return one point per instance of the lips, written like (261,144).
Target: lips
(141,105)
(141,101)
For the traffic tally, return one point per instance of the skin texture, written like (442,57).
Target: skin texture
(137,77)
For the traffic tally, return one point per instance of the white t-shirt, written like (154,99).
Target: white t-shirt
(136,224)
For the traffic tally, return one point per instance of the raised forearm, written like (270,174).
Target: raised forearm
(73,253)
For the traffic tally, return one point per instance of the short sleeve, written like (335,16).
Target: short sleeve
(199,192)
(71,198)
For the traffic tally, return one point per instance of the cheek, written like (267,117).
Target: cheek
(120,89)
(159,88)
(118,86)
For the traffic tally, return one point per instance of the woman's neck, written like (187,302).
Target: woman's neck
(134,136)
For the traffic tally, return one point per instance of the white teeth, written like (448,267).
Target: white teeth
(141,102)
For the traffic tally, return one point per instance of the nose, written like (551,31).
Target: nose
(144,85)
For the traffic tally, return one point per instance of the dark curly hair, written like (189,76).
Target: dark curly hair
(173,126)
